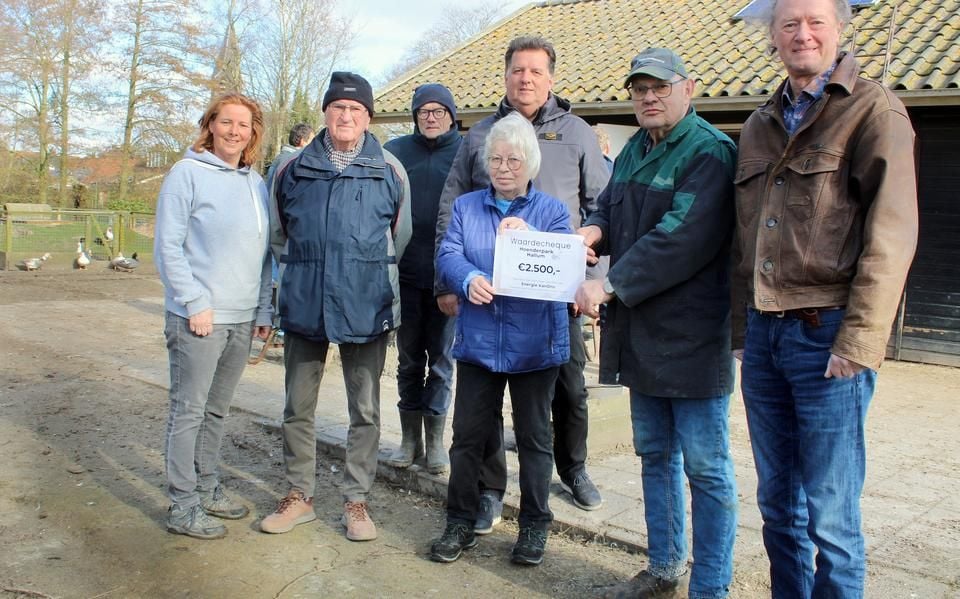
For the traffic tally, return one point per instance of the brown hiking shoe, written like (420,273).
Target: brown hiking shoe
(359,525)
(293,509)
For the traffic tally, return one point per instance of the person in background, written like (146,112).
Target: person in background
(501,340)
(211,251)
(300,137)
(666,221)
(827,227)
(340,220)
(603,139)
(424,341)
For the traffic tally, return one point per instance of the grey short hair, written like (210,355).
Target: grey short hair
(517,132)
(841,7)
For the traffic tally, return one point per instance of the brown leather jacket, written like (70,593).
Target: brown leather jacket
(828,216)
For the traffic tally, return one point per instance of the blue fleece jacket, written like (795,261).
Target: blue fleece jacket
(211,241)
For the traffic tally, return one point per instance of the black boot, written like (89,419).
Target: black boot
(437,459)
(411,445)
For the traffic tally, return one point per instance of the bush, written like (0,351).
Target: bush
(128,205)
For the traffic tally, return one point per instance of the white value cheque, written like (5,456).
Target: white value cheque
(543,266)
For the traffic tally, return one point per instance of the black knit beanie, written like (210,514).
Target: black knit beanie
(349,86)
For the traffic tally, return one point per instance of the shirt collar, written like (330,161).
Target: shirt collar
(812,91)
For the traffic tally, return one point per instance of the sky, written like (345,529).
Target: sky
(386,28)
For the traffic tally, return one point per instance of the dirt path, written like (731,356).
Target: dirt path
(81,487)
(83,407)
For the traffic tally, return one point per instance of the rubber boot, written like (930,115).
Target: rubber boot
(411,445)
(437,459)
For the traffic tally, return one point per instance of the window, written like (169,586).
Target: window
(757,7)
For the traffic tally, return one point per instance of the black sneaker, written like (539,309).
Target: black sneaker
(529,548)
(584,492)
(194,522)
(489,513)
(646,586)
(456,537)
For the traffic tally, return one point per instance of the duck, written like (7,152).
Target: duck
(83,260)
(108,234)
(35,263)
(124,264)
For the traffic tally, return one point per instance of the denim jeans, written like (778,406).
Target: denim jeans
(304,362)
(204,373)
(673,437)
(424,343)
(478,410)
(808,445)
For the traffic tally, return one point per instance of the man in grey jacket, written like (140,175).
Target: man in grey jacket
(573,170)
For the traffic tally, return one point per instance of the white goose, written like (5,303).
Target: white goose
(82,261)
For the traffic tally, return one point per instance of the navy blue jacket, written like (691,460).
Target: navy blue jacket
(341,234)
(427,162)
(509,334)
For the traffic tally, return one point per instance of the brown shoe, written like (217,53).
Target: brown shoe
(293,509)
(648,586)
(359,525)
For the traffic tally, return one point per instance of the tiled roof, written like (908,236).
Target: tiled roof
(595,40)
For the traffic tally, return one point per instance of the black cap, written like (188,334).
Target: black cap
(349,86)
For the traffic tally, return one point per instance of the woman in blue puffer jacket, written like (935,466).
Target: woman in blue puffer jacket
(500,341)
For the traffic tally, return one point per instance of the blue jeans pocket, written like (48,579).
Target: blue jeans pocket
(823,334)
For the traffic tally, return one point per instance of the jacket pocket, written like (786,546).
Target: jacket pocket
(811,175)
(749,181)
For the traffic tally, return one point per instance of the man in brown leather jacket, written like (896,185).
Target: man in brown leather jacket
(827,225)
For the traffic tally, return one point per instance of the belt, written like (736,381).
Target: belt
(810,316)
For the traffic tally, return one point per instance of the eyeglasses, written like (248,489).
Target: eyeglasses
(660,90)
(513,163)
(339,109)
(438,113)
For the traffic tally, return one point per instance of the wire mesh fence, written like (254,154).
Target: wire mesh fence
(31,231)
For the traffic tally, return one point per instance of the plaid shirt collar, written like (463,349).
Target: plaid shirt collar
(341,160)
(795,110)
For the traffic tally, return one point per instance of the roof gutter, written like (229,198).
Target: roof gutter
(469,116)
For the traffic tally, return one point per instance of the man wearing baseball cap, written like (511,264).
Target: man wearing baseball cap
(425,341)
(666,221)
(340,220)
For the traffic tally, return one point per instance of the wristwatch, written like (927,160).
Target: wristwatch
(607,287)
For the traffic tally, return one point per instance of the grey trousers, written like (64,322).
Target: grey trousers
(362,366)
(204,373)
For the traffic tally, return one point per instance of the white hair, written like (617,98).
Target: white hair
(517,132)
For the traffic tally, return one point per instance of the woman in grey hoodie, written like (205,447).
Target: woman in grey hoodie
(210,249)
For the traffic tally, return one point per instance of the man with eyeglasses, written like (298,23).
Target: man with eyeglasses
(340,220)
(666,221)
(425,340)
(573,170)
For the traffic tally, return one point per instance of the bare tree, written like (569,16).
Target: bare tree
(456,25)
(164,50)
(28,65)
(80,32)
(291,47)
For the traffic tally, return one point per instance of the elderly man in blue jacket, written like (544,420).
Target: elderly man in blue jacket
(424,342)
(340,220)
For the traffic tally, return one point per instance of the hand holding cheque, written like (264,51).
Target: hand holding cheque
(536,265)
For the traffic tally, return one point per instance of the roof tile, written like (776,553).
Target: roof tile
(595,40)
